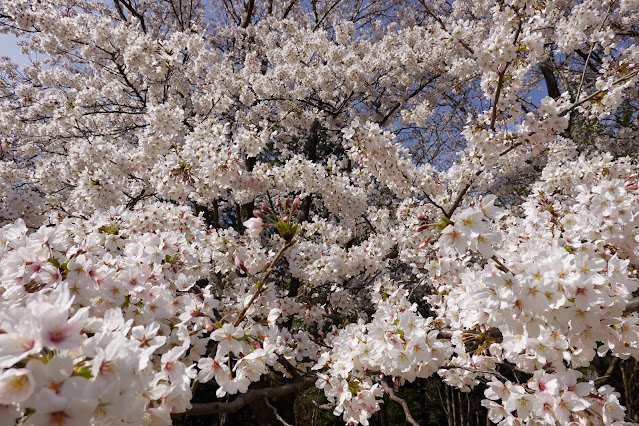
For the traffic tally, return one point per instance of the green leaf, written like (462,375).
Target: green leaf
(82,371)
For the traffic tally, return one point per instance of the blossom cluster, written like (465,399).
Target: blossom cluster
(98,314)
(397,342)
(73,368)
(556,296)
(553,398)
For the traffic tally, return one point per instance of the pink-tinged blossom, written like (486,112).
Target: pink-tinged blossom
(21,339)
(61,332)
(543,382)
(213,368)
(70,407)
(254,226)
(129,159)
(52,374)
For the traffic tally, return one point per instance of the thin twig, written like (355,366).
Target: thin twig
(592,47)
(261,284)
(461,194)
(500,264)
(280,419)
(500,83)
(597,93)
(475,370)
(441,24)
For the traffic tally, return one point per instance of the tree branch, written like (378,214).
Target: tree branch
(597,93)
(249,13)
(400,401)
(261,284)
(414,93)
(500,83)
(592,47)
(461,194)
(551,82)
(134,12)
(632,306)
(443,26)
(248,397)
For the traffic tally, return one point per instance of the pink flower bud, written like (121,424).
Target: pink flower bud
(296,204)
(239,264)
(259,215)
(424,243)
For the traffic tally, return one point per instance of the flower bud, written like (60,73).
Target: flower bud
(296,204)
(425,242)
(258,214)
(239,264)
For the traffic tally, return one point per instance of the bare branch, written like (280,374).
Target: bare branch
(248,397)
(500,83)
(441,24)
(261,284)
(598,93)
(249,13)
(410,96)
(551,81)
(632,306)
(288,9)
(592,47)
(400,401)
(461,194)
(134,12)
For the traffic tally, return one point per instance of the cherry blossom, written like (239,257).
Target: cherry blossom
(206,200)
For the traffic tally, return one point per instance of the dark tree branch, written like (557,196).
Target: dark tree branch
(400,401)
(551,81)
(500,84)
(586,58)
(249,13)
(248,397)
(411,95)
(632,306)
(461,194)
(131,9)
(443,26)
(288,9)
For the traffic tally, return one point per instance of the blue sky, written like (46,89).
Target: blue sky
(9,47)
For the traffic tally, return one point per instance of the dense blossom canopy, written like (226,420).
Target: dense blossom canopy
(242,200)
